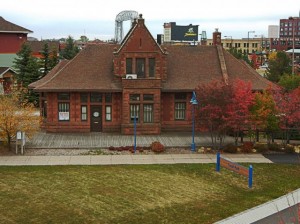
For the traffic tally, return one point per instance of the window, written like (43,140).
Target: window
(63,111)
(134,97)
(108,97)
(108,113)
(96,97)
(128,65)
(140,67)
(179,111)
(84,113)
(134,112)
(84,97)
(151,67)
(148,113)
(44,108)
(180,106)
(148,97)
(63,96)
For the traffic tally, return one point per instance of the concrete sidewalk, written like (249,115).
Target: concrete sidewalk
(127,159)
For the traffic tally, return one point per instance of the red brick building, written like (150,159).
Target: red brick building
(106,86)
(12,37)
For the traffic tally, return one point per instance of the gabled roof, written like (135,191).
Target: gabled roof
(7,60)
(90,70)
(8,27)
(139,26)
(4,70)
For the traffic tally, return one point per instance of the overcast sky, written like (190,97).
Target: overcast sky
(96,18)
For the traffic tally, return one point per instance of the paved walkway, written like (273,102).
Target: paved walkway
(127,159)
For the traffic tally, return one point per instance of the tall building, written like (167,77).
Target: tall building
(273,31)
(289,31)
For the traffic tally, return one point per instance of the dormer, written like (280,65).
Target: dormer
(140,55)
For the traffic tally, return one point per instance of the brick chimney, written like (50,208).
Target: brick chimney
(140,19)
(217,37)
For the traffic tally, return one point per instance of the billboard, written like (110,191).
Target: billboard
(184,33)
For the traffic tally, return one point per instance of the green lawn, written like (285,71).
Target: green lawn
(185,193)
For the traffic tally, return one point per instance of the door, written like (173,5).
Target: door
(96,118)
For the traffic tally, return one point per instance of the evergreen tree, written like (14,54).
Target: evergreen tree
(278,66)
(46,59)
(70,50)
(27,71)
(54,59)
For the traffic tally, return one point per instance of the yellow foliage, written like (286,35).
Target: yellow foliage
(272,55)
(16,117)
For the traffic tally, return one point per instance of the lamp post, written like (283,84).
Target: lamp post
(248,40)
(230,40)
(194,102)
(293,54)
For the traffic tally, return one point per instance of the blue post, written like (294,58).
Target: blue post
(193,146)
(134,133)
(194,102)
(250,176)
(218,162)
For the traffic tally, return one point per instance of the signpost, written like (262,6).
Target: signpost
(235,167)
(20,141)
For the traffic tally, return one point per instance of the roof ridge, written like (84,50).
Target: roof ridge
(222,63)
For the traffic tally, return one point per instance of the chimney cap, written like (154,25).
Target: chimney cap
(140,16)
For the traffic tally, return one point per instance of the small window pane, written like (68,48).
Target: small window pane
(108,113)
(96,97)
(63,96)
(84,97)
(108,97)
(151,67)
(148,113)
(179,111)
(134,112)
(128,65)
(148,97)
(180,96)
(134,97)
(63,111)
(83,113)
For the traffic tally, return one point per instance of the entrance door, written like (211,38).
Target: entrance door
(96,118)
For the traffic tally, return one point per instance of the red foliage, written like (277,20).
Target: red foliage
(157,147)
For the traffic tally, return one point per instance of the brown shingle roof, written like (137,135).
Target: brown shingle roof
(90,70)
(188,66)
(50,75)
(8,27)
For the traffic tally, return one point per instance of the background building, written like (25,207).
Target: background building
(273,31)
(174,33)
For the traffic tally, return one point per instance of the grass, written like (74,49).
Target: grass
(182,193)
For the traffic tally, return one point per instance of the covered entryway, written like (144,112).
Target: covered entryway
(96,118)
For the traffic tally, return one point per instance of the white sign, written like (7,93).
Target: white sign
(19,135)
(63,116)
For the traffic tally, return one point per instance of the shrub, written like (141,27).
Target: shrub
(261,147)
(247,147)
(157,147)
(289,149)
(275,147)
(230,148)
(111,148)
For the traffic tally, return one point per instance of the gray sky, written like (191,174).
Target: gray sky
(96,19)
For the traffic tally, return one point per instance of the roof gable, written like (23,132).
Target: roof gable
(139,39)
(8,27)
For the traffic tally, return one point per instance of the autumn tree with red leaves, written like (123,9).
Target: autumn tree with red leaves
(288,107)
(223,107)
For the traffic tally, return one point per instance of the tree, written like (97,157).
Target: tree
(288,110)
(54,59)
(289,82)
(238,108)
(46,59)
(223,107)
(237,53)
(264,113)
(279,65)
(70,50)
(84,39)
(27,71)
(16,116)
